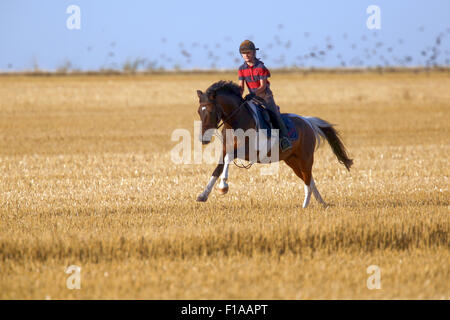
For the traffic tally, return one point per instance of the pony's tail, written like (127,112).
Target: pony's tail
(327,131)
(337,146)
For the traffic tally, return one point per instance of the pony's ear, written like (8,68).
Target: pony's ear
(199,93)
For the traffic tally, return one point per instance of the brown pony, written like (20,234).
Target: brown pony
(223,101)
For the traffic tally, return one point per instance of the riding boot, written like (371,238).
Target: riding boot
(285,143)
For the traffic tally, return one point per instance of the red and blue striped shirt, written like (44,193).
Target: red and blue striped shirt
(253,74)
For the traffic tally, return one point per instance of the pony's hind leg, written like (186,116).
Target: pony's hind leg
(317,193)
(294,164)
(307,196)
(307,178)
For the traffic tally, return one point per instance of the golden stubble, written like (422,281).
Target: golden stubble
(87,180)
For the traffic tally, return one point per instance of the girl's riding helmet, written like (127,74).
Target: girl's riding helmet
(247,45)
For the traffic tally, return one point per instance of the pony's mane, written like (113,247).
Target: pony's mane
(225,86)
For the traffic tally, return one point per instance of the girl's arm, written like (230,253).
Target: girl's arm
(241,85)
(262,86)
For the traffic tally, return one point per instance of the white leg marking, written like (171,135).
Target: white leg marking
(204,195)
(223,185)
(210,185)
(307,196)
(316,192)
(226,163)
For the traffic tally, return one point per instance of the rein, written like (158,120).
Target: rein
(230,115)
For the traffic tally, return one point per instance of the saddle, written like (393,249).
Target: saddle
(266,118)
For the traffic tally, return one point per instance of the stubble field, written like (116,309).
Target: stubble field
(87,180)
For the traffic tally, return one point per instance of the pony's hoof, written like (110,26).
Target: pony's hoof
(222,191)
(202,198)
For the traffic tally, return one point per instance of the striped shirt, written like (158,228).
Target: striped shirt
(252,74)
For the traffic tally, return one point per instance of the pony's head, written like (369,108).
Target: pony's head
(210,114)
(210,110)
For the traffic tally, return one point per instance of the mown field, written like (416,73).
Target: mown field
(87,180)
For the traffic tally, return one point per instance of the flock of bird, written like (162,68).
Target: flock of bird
(367,50)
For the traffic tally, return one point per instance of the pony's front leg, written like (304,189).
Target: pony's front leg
(202,197)
(223,185)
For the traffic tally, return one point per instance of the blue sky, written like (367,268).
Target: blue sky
(204,34)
